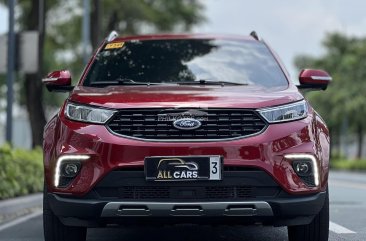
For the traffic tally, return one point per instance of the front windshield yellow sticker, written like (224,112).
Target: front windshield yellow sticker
(114,45)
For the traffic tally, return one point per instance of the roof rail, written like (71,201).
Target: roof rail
(112,36)
(254,35)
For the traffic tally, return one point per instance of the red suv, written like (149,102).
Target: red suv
(186,129)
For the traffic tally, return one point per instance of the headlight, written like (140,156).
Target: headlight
(87,113)
(290,112)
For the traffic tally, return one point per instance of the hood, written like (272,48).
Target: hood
(175,96)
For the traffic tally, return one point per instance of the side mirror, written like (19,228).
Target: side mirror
(58,81)
(314,79)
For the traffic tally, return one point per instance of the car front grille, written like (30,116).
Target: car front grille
(158,193)
(131,185)
(157,124)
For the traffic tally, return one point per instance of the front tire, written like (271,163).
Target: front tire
(54,230)
(317,230)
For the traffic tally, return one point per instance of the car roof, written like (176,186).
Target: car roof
(183,36)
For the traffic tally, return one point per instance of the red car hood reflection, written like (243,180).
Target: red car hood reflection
(184,96)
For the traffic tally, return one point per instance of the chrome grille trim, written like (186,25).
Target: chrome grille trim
(221,125)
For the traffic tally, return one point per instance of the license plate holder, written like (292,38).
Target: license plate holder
(183,168)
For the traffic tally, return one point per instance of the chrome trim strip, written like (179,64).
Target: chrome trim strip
(321,78)
(271,108)
(128,209)
(45,80)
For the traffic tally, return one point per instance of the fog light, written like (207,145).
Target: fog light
(71,169)
(302,168)
(306,167)
(65,168)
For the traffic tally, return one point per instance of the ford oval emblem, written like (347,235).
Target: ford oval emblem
(187,124)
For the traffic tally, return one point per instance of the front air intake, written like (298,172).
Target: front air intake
(214,124)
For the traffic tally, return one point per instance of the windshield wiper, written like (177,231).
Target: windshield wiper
(209,82)
(120,82)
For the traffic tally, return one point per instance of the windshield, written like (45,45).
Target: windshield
(184,61)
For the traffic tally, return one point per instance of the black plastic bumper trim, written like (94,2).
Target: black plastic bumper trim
(167,209)
(286,211)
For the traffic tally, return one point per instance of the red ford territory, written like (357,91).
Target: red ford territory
(186,129)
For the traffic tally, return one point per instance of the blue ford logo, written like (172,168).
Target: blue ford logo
(187,124)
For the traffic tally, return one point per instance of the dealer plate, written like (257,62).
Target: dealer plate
(183,168)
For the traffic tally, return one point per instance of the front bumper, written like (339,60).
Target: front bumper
(111,187)
(108,152)
(281,211)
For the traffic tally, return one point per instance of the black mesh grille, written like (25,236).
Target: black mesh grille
(158,123)
(220,192)
(244,192)
(65,181)
(158,193)
(144,192)
(309,180)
